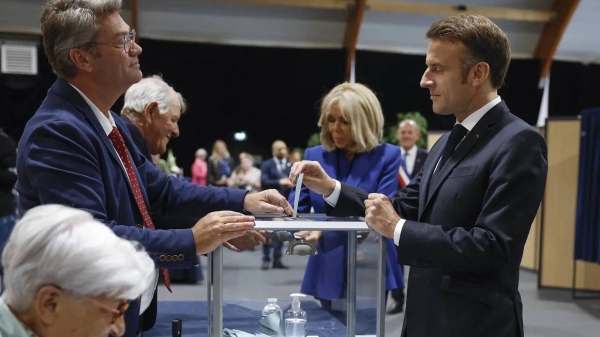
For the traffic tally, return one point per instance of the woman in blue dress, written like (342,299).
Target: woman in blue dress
(351,125)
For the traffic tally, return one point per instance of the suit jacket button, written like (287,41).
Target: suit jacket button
(413,262)
(138,226)
(180,257)
(169,258)
(161,258)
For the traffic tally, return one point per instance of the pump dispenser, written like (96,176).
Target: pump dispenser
(295,318)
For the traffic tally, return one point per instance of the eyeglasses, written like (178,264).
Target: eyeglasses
(116,313)
(127,43)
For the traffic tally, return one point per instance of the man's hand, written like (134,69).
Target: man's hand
(285,182)
(248,241)
(315,177)
(381,215)
(310,236)
(218,227)
(267,201)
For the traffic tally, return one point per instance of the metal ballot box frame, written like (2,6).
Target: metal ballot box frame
(272,222)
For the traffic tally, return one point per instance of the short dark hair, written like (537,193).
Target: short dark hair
(484,40)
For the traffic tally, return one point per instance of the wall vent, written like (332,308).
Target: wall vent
(18,59)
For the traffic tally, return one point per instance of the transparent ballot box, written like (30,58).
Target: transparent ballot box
(282,229)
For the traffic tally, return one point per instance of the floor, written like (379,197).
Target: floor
(547,313)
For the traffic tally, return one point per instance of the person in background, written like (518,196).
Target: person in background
(295,156)
(67,274)
(274,174)
(351,124)
(245,176)
(412,157)
(220,164)
(8,178)
(151,112)
(412,160)
(200,168)
(463,221)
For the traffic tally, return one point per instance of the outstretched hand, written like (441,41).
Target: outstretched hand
(315,177)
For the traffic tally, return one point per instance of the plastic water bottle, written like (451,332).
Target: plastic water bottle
(272,307)
(295,319)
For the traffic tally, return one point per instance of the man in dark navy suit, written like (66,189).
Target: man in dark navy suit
(274,174)
(462,222)
(74,151)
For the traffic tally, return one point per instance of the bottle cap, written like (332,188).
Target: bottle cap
(272,300)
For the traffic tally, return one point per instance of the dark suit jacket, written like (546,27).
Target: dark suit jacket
(374,171)
(65,157)
(464,239)
(138,138)
(270,176)
(419,162)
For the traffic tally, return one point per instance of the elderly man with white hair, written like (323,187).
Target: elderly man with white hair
(67,274)
(151,112)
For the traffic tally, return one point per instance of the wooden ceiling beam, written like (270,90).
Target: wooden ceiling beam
(355,18)
(552,33)
(327,4)
(135,8)
(515,14)
(444,10)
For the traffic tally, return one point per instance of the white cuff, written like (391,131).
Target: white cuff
(398,231)
(333,198)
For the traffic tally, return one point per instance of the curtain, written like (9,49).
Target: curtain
(587,226)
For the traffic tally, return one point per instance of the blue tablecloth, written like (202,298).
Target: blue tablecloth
(245,315)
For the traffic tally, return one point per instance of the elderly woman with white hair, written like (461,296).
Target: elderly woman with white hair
(67,274)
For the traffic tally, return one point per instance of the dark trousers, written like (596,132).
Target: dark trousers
(277,248)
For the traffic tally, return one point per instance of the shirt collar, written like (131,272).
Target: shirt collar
(412,152)
(10,324)
(472,119)
(106,123)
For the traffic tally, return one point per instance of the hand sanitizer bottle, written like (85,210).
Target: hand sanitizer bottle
(295,318)
(272,307)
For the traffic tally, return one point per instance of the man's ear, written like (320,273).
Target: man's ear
(82,59)
(47,304)
(150,111)
(480,73)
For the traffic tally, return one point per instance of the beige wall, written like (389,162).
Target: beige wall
(558,212)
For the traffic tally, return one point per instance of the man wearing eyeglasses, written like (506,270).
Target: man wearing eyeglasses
(75,151)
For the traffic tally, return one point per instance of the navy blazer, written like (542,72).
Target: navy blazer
(65,157)
(138,138)
(270,175)
(465,234)
(374,171)
(421,157)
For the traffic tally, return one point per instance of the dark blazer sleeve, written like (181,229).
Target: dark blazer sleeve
(516,178)
(270,175)
(62,159)
(138,138)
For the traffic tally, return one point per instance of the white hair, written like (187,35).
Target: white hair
(148,90)
(65,247)
(201,152)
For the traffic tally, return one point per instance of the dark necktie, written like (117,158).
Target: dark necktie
(455,137)
(119,144)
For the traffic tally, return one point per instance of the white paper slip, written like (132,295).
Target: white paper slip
(297,194)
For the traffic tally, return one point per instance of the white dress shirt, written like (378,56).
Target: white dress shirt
(107,124)
(469,123)
(410,159)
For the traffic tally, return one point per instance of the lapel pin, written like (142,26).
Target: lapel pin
(477,135)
